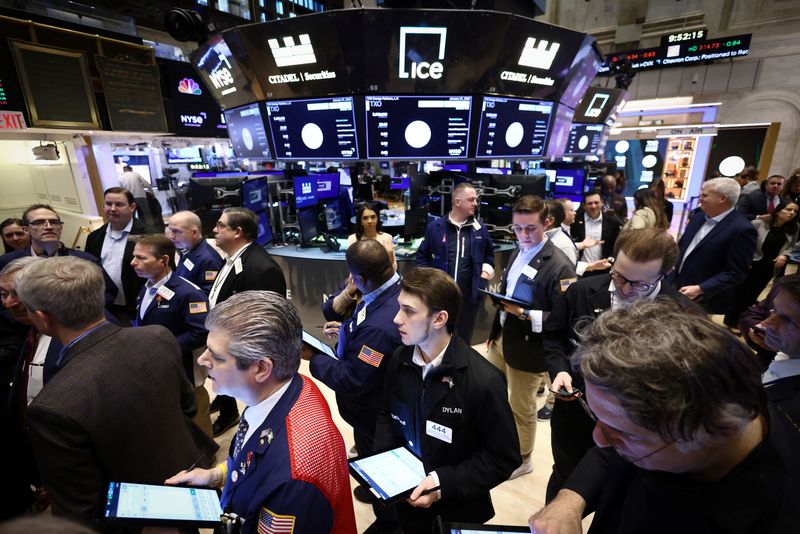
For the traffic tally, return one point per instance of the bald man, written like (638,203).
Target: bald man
(199,262)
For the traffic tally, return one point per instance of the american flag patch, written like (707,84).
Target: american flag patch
(211,276)
(271,523)
(565,283)
(370,356)
(198,307)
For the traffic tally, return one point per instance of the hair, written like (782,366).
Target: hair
(750,173)
(437,290)
(260,324)
(790,227)
(34,207)
(647,244)
(646,198)
(530,204)
(763,185)
(727,187)
(69,288)
(18,264)
(191,218)
(159,245)
(5,224)
(245,219)
(460,188)
(789,284)
(120,191)
(673,371)
(787,186)
(360,211)
(555,209)
(590,193)
(369,259)
(127,168)
(659,188)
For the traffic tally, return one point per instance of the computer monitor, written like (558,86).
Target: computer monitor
(254,194)
(305,191)
(584,139)
(247,132)
(333,215)
(214,193)
(513,127)
(189,154)
(327,185)
(307,219)
(416,222)
(264,229)
(529,184)
(344,176)
(399,182)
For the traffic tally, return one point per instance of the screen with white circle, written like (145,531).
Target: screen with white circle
(318,129)
(247,132)
(400,127)
(513,127)
(584,139)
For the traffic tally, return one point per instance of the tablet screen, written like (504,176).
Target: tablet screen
(390,473)
(318,345)
(169,503)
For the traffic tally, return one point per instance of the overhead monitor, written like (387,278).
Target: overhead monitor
(584,139)
(254,194)
(318,129)
(189,154)
(247,132)
(222,74)
(598,104)
(305,191)
(513,127)
(418,127)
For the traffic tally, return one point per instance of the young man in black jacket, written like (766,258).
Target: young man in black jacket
(448,405)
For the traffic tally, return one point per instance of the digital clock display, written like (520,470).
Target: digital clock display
(683,37)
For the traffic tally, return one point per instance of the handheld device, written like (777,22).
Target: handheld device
(318,345)
(160,505)
(391,475)
(564,393)
(441,527)
(497,297)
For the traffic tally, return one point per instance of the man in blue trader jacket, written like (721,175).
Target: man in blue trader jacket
(460,246)
(366,341)
(174,303)
(199,262)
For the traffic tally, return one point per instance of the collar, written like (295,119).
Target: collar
(534,250)
(235,256)
(719,217)
(587,219)
(196,247)
(460,225)
(372,295)
(417,359)
(256,415)
(116,234)
(160,283)
(781,369)
(72,343)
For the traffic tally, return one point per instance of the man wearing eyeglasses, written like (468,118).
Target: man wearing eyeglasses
(643,258)
(537,273)
(45,227)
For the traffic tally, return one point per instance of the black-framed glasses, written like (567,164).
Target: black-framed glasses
(639,285)
(42,222)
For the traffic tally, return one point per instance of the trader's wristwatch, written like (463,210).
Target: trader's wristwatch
(524,315)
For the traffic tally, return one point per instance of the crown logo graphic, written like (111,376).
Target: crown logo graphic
(538,57)
(189,87)
(291,54)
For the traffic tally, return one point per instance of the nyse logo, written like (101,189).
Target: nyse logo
(305,187)
(538,57)
(291,54)
(596,105)
(193,120)
(423,69)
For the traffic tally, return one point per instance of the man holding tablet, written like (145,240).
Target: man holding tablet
(448,406)
(287,464)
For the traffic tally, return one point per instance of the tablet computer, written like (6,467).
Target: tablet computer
(466,528)
(391,475)
(318,345)
(165,506)
(497,297)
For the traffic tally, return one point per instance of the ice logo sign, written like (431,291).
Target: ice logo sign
(538,56)
(291,54)
(596,105)
(306,188)
(421,69)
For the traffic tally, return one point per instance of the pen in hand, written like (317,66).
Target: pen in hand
(202,455)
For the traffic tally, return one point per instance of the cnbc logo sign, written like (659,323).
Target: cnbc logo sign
(421,68)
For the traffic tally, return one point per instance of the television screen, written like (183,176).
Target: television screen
(598,104)
(418,127)
(264,230)
(307,219)
(327,185)
(584,139)
(513,127)
(305,191)
(247,132)
(344,177)
(457,167)
(184,155)
(399,182)
(323,128)
(566,182)
(254,194)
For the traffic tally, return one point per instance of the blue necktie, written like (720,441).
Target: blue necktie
(241,432)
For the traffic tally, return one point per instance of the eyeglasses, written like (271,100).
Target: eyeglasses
(527,229)
(638,285)
(42,222)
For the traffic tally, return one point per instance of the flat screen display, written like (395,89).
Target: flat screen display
(184,155)
(399,182)
(247,132)
(513,127)
(146,503)
(254,194)
(597,105)
(390,473)
(566,182)
(584,139)
(409,127)
(264,231)
(323,128)
(307,219)
(305,191)
(327,185)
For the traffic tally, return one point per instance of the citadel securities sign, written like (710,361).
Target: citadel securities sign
(290,55)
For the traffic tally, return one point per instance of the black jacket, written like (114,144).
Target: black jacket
(755,203)
(131,283)
(608,233)
(259,272)
(468,396)
(522,348)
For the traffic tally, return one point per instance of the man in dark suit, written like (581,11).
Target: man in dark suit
(716,248)
(760,204)
(594,231)
(782,378)
(613,203)
(643,258)
(199,262)
(103,417)
(113,245)
(247,266)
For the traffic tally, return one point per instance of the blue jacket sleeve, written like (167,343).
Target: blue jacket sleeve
(424,250)
(195,335)
(351,374)
(488,251)
(298,506)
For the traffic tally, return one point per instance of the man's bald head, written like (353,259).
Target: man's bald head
(185,229)
(609,182)
(369,263)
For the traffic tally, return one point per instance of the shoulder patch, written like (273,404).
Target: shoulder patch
(271,523)
(370,356)
(198,307)
(210,276)
(564,283)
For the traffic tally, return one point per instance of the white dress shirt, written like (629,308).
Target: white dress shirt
(594,230)
(223,274)
(112,256)
(150,293)
(36,368)
(256,415)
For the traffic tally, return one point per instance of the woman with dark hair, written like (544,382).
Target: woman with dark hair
(791,189)
(15,235)
(648,212)
(658,187)
(368,226)
(776,239)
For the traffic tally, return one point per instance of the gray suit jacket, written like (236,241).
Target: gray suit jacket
(117,410)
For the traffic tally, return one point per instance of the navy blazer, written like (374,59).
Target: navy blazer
(719,262)
(200,266)
(754,204)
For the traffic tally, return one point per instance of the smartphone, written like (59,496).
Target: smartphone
(564,393)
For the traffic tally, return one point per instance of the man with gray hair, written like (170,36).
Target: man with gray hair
(104,416)
(199,262)
(287,463)
(716,249)
(688,441)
